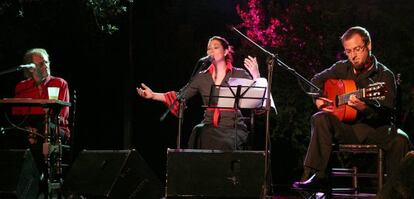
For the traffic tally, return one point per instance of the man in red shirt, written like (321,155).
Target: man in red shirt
(35,86)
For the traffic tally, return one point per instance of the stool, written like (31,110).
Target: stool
(353,172)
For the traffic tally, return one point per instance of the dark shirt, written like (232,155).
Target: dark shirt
(202,84)
(379,112)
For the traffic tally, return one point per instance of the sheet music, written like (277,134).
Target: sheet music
(261,83)
(253,93)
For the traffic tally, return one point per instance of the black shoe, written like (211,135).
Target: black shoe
(313,183)
(307,173)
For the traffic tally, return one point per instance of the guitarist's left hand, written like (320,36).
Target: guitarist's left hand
(356,103)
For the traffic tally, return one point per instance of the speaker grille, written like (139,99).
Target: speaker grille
(111,174)
(19,177)
(217,174)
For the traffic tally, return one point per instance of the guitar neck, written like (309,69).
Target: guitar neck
(344,98)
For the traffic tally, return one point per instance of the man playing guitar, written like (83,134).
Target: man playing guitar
(372,122)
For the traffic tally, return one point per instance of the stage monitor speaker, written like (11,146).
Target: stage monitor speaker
(111,174)
(19,177)
(197,173)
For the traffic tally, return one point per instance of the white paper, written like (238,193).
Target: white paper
(253,98)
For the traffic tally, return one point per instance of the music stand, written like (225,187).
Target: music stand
(237,97)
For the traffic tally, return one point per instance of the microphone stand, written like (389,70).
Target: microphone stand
(181,99)
(10,70)
(274,57)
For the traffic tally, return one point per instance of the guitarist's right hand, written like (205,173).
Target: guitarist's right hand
(324,104)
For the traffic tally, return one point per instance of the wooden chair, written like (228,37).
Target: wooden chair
(355,173)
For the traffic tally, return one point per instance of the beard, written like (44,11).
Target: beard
(362,64)
(359,66)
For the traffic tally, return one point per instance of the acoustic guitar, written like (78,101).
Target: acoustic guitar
(339,92)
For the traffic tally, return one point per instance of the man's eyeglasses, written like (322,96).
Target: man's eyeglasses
(357,49)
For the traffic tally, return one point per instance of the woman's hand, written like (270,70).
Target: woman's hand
(145,92)
(252,66)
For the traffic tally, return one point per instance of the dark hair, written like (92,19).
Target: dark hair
(226,45)
(357,30)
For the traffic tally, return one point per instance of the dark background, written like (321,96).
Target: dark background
(159,42)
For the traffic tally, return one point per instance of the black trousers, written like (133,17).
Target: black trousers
(206,136)
(326,130)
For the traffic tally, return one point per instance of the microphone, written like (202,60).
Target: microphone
(205,62)
(201,64)
(31,65)
(207,58)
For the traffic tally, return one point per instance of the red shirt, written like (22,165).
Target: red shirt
(28,89)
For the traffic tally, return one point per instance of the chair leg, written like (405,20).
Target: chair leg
(355,179)
(380,169)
